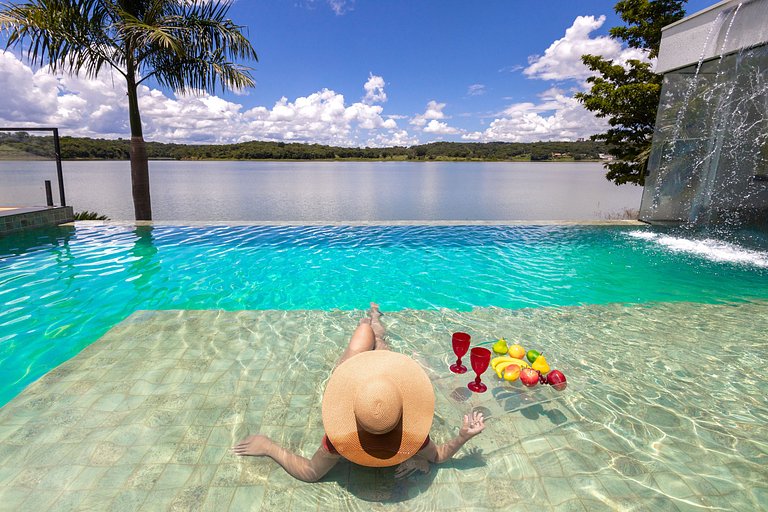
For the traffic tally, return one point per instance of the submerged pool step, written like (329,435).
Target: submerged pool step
(146,414)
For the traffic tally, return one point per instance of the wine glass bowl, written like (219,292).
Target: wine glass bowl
(479,358)
(460,342)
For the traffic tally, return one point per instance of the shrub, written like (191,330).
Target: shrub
(86,215)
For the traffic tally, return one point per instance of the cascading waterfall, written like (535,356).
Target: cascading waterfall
(708,167)
(719,98)
(669,150)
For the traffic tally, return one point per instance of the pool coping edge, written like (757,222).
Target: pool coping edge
(623,222)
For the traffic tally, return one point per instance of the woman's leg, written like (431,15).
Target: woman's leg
(379,332)
(362,340)
(370,334)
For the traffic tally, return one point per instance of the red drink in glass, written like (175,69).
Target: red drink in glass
(480,358)
(460,342)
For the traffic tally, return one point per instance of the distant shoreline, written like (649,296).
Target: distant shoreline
(332,160)
(42,159)
(20,145)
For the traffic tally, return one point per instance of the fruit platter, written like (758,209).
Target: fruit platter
(514,363)
(520,381)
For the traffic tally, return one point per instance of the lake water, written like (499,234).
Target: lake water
(332,191)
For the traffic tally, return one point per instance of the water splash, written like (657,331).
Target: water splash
(708,248)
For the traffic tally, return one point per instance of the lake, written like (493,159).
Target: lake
(331,191)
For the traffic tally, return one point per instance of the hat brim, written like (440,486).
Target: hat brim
(401,443)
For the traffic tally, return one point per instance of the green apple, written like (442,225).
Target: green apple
(532,355)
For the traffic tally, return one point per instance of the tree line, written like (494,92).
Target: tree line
(21,145)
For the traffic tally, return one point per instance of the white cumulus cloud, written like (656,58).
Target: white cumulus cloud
(321,117)
(374,90)
(558,116)
(83,106)
(434,110)
(439,127)
(429,122)
(394,138)
(98,108)
(562,60)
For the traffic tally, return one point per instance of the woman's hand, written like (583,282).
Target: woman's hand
(253,445)
(415,463)
(473,424)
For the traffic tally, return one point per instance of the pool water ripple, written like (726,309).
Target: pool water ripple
(61,289)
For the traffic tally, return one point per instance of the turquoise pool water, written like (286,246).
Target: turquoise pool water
(61,289)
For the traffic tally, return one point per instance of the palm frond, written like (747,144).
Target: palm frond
(212,44)
(205,73)
(182,44)
(210,28)
(150,28)
(65,35)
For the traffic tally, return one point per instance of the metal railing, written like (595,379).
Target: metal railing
(56,150)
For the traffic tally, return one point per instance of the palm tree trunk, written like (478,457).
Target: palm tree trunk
(142,204)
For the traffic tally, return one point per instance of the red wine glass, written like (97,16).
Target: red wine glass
(479,357)
(460,341)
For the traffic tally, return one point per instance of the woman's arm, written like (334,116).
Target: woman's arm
(471,426)
(307,470)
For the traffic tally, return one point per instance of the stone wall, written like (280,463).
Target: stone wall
(29,218)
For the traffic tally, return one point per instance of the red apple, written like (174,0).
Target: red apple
(529,377)
(556,379)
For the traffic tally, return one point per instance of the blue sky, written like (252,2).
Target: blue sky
(362,73)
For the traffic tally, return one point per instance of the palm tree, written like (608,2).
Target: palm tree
(183,45)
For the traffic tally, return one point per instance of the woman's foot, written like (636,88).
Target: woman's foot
(374,312)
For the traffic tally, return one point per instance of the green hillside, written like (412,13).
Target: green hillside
(22,146)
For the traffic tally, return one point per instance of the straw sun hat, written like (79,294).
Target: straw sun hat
(378,408)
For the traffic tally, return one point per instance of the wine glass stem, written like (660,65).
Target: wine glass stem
(477,380)
(458,362)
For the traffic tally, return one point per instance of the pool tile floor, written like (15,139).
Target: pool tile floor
(144,418)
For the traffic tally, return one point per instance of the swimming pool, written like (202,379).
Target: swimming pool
(62,288)
(661,337)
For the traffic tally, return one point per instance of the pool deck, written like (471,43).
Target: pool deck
(144,418)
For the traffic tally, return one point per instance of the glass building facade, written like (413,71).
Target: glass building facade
(709,161)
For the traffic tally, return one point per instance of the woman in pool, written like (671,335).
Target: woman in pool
(377,411)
